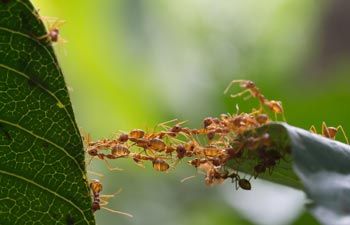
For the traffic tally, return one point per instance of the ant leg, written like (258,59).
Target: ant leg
(246,97)
(110,168)
(232,83)
(340,127)
(58,23)
(164,124)
(313,130)
(90,160)
(325,131)
(45,36)
(118,212)
(187,178)
(104,198)
(240,93)
(284,117)
(95,173)
(237,109)
(140,165)
(236,184)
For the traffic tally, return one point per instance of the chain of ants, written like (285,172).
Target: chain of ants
(225,140)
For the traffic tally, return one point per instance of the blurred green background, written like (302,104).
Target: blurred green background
(133,64)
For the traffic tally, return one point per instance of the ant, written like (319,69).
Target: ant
(100,200)
(330,132)
(212,175)
(53,33)
(249,86)
(158,164)
(174,130)
(94,152)
(212,151)
(239,182)
(268,160)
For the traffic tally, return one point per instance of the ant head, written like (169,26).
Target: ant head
(248,84)
(123,138)
(216,161)
(207,121)
(194,162)
(92,151)
(211,135)
(181,151)
(54,33)
(176,129)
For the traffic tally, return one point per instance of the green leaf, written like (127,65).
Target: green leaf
(319,166)
(42,169)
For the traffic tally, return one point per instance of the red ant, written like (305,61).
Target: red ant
(158,163)
(330,132)
(100,200)
(53,34)
(249,86)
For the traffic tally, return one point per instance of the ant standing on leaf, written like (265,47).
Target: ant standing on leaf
(330,132)
(99,201)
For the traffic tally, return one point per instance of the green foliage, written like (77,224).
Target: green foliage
(42,169)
